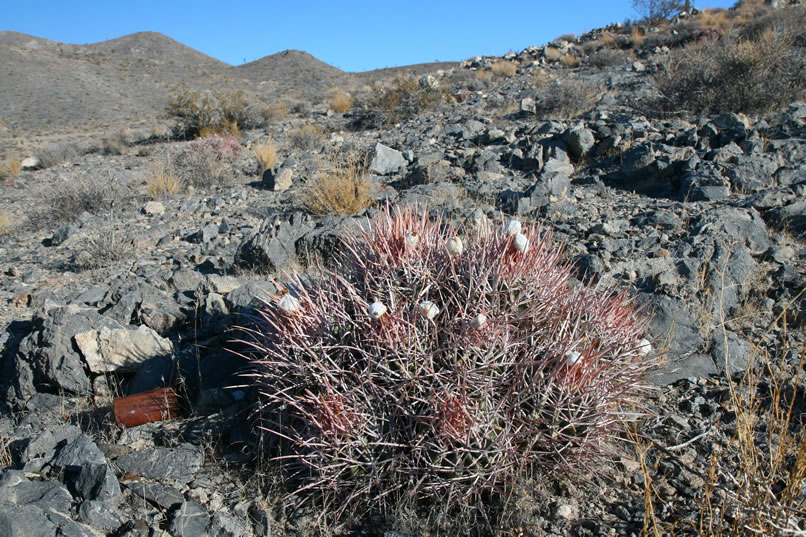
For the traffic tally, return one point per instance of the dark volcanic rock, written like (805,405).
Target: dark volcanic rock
(179,464)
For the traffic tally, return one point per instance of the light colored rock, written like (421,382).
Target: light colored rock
(120,349)
(387,160)
(30,163)
(154,208)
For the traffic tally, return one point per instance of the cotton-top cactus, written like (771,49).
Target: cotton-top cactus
(444,369)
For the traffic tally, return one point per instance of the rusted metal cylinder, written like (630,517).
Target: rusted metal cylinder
(155,405)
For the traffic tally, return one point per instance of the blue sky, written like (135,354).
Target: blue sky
(353,36)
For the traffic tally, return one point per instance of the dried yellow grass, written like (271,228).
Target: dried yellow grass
(504,69)
(541,77)
(5,222)
(10,168)
(637,37)
(342,187)
(306,136)
(275,111)
(161,181)
(569,60)
(266,155)
(341,102)
(552,54)
(608,40)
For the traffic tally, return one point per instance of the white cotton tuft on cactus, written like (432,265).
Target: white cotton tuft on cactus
(455,246)
(513,228)
(377,310)
(289,303)
(411,239)
(479,321)
(521,243)
(572,357)
(644,347)
(428,309)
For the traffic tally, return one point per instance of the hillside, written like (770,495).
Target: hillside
(556,293)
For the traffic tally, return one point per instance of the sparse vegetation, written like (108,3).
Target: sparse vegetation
(104,245)
(306,137)
(570,97)
(266,155)
(58,153)
(341,102)
(402,99)
(207,161)
(570,60)
(504,68)
(161,181)
(10,168)
(274,112)
(637,37)
(341,187)
(752,71)
(198,114)
(655,12)
(70,200)
(754,485)
(552,54)
(5,222)
(608,57)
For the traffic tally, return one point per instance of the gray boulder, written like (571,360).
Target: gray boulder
(274,245)
(387,160)
(791,217)
(190,519)
(579,141)
(179,463)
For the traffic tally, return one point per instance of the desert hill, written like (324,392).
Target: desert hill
(49,86)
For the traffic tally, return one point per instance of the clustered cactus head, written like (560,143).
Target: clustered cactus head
(443,366)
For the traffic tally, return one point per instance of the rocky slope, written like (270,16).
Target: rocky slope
(702,219)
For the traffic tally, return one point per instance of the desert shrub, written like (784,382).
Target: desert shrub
(567,98)
(58,153)
(341,102)
(161,181)
(306,137)
(104,245)
(266,155)
(402,99)
(655,12)
(197,114)
(113,145)
(569,60)
(207,161)
(754,74)
(442,369)
(10,168)
(274,111)
(637,37)
(608,57)
(504,68)
(552,54)
(70,200)
(341,186)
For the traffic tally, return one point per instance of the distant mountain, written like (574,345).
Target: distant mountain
(47,85)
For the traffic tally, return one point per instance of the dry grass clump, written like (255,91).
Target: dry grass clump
(402,99)
(161,181)
(552,54)
(341,187)
(755,483)
(569,60)
(104,245)
(504,69)
(5,222)
(637,37)
(306,137)
(274,111)
(341,102)
(10,168)
(608,41)
(266,155)
(758,69)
